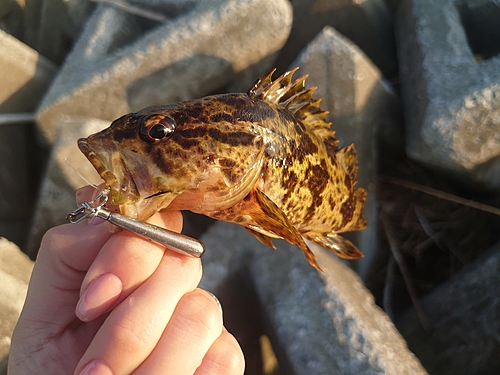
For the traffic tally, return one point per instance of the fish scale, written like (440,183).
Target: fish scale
(266,159)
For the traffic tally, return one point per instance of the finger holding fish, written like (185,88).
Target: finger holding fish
(159,315)
(155,308)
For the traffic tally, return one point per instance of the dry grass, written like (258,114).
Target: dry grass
(431,227)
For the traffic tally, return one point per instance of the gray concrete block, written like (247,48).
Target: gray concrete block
(361,106)
(56,197)
(107,74)
(463,318)
(52,26)
(450,89)
(368,23)
(14,181)
(25,75)
(6,6)
(15,271)
(330,314)
(12,17)
(392,5)
(318,323)
(228,249)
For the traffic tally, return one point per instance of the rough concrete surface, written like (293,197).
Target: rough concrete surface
(14,181)
(115,69)
(463,319)
(12,17)
(451,89)
(15,271)
(52,26)
(318,323)
(56,197)
(25,75)
(368,23)
(361,105)
(6,7)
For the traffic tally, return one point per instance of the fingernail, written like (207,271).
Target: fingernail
(99,296)
(96,220)
(96,367)
(215,298)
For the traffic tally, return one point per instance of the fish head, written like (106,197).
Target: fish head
(190,156)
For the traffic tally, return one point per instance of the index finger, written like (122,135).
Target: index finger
(131,259)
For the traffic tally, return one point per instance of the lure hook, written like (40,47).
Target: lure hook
(178,242)
(86,209)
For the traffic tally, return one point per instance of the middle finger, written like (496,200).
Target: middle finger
(133,328)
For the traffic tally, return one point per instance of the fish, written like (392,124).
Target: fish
(266,159)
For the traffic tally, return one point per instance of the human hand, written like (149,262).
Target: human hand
(107,302)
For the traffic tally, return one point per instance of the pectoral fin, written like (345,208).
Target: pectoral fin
(265,220)
(268,215)
(337,244)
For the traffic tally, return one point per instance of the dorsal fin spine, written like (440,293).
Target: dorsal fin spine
(260,84)
(300,100)
(295,97)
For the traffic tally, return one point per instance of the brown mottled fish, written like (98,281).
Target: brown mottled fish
(266,160)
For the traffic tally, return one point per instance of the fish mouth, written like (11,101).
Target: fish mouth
(107,161)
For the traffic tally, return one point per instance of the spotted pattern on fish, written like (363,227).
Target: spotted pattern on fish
(266,159)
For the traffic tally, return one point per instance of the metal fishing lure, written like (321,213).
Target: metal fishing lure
(175,241)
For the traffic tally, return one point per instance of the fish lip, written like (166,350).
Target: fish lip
(119,194)
(92,157)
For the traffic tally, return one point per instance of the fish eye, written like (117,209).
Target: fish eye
(157,128)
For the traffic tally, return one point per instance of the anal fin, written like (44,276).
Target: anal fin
(337,244)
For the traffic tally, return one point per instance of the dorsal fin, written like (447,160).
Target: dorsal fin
(294,96)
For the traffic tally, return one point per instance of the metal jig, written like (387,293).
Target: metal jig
(178,242)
